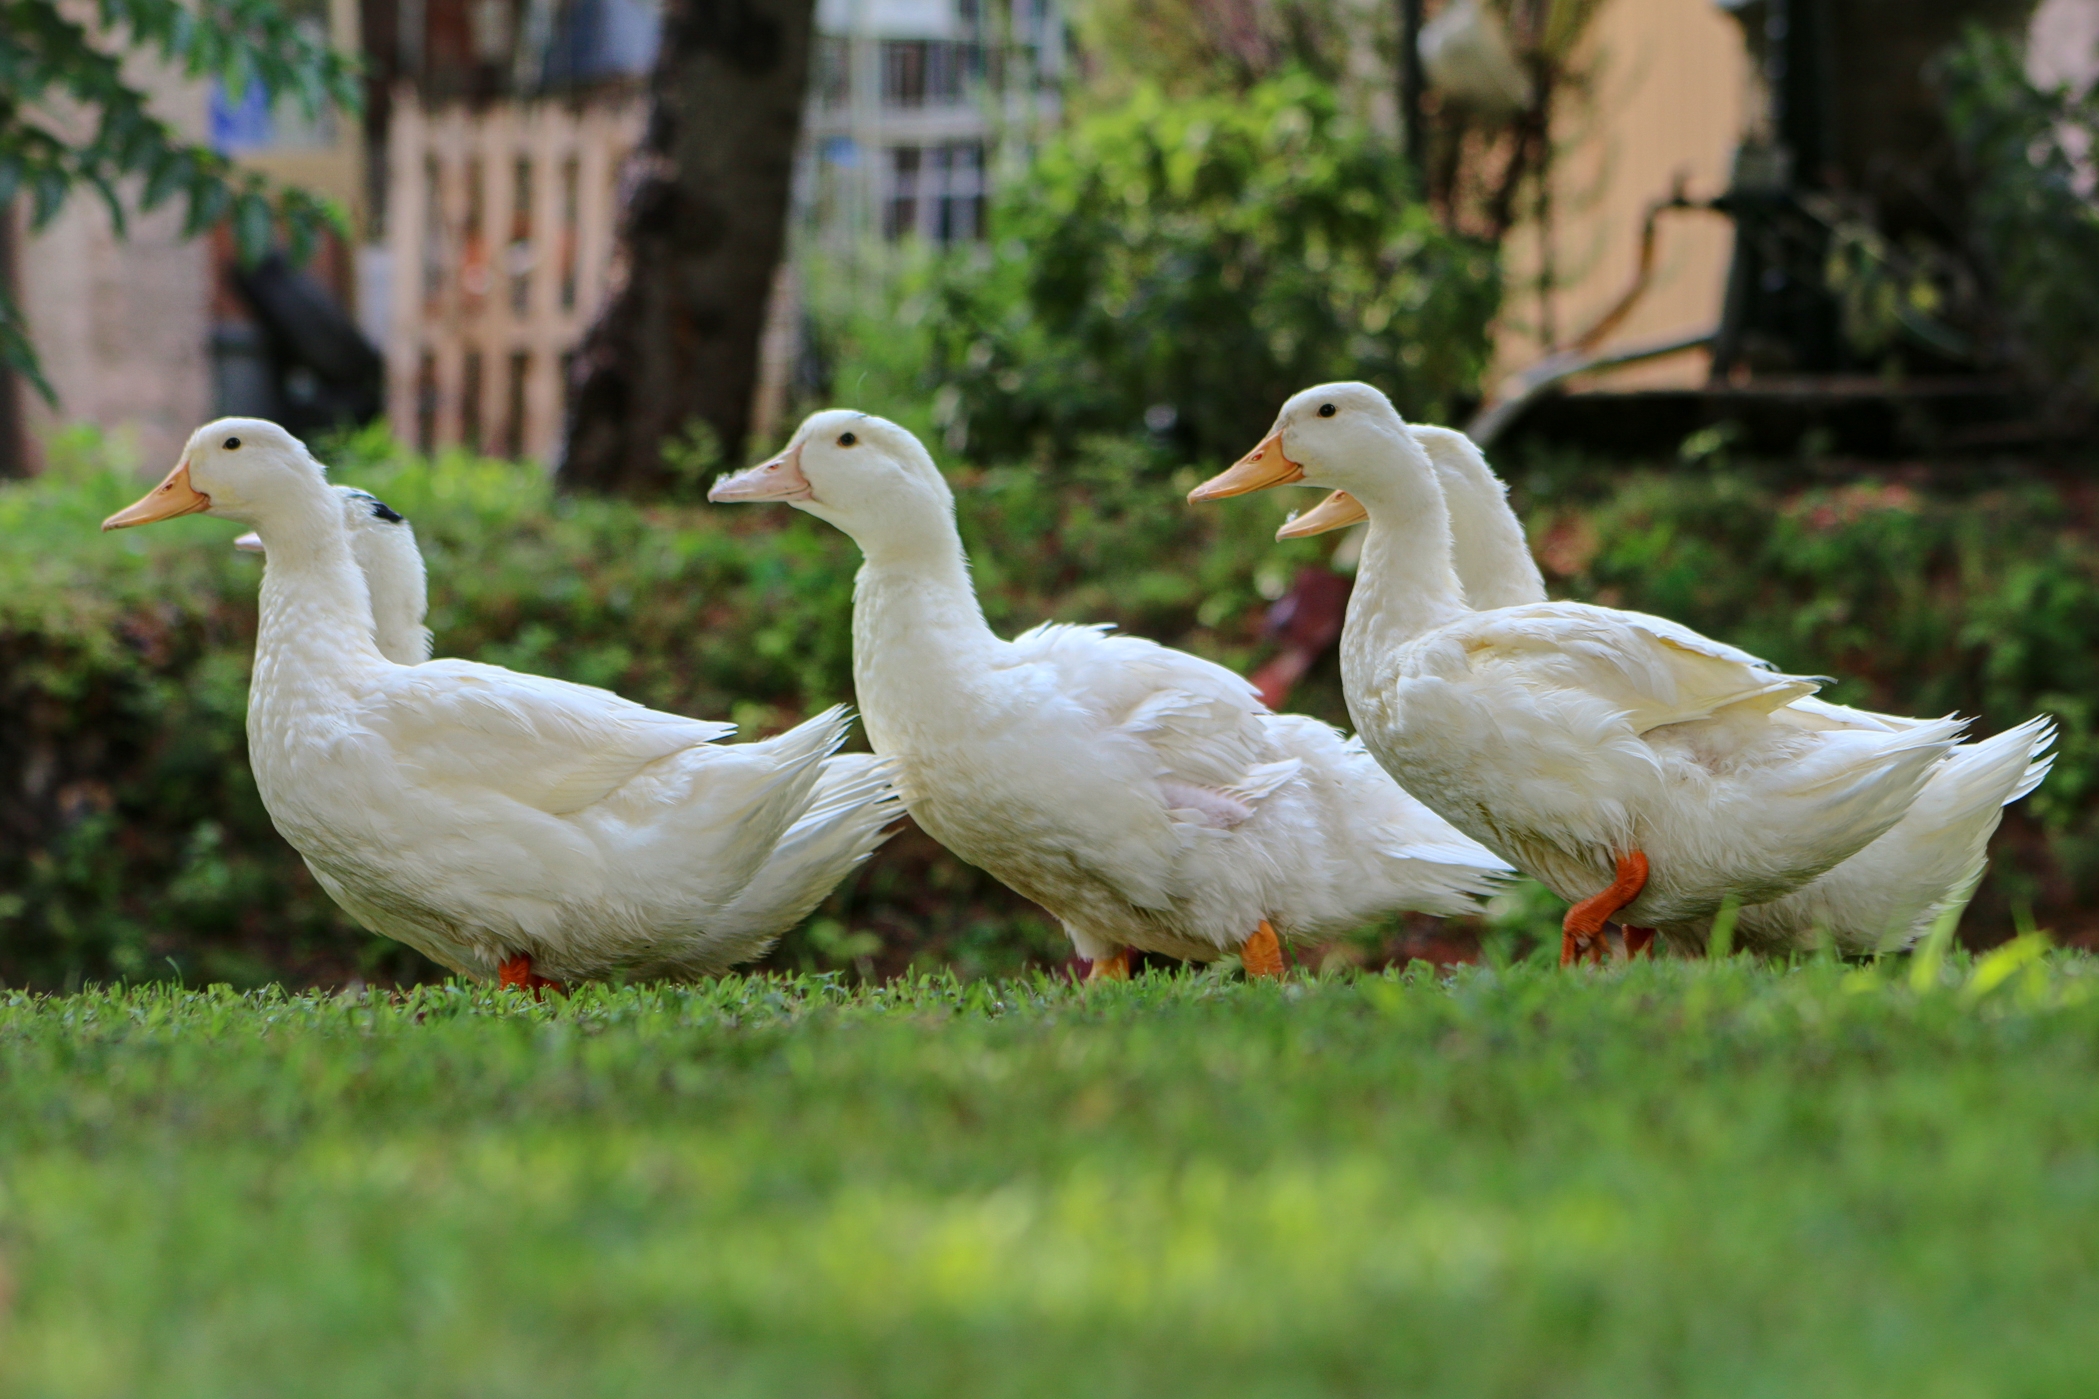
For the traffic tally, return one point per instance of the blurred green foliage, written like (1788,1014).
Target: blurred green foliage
(2033,222)
(1693,1180)
(132,842)
(1182,266)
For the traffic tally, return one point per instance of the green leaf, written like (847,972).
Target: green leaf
(164,176)
(16,351)
(254,228)
(48,191)
(209,199)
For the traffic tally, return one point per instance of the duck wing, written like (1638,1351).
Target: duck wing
(1199,726)
(1651,671)
(551,745)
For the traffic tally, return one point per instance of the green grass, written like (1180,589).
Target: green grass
(1681,1179)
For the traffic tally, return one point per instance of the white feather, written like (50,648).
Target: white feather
(476,813)
(1143,796)
(1562,735)
(1890,892)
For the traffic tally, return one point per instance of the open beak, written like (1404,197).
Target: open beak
(778,479)
(1259,469)
(172,497)
(249,543)
(1337,511)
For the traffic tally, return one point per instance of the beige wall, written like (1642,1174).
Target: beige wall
(122,327)
(2063,44)
(1668,96)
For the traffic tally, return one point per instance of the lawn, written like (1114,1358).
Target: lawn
(1684,1179)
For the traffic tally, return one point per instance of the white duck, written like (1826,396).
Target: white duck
(508,825)
(1882,898)
(1633,766)
(1143,796)
(383,543)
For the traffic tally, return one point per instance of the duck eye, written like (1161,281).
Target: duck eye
(846,439)
(1326,410)
(232,442)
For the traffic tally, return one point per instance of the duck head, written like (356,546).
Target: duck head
(864,474)
(236,469)
(1334,435)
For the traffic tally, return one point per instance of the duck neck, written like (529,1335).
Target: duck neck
(918,630)
(1406,584)
(315,627)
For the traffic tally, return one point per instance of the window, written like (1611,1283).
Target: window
(904,73)
(900,210)
(935,192)
(514,408)
(928,72)
(959,212)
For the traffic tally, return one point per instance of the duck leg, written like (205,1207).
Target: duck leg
(1638,940)
(1262,954)
(517,972)
(1111,968)
(1582,929)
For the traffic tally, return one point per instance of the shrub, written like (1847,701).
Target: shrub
(2032,220)
(1186,265)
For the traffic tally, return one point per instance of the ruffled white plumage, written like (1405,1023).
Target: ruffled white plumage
(1895,887)
(1143,796)
(476,813)
(1564,736)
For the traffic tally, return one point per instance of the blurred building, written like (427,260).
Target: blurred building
(1675,91)
(483,186)
(1668,105)
(483,183)
(150,335)
(503,133)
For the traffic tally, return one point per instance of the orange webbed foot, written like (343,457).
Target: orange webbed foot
(517,973)
(1262,954)
(1581,932)
(1112,968)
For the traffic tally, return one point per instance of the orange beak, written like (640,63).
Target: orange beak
(778,479)
(1337,511)
(173,496)
(1259,469)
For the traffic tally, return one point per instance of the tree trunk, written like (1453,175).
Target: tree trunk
(701,236)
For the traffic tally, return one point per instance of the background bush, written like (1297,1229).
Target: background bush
(2033,224)
(1182,267)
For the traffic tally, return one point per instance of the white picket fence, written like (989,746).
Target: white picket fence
(500,223)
